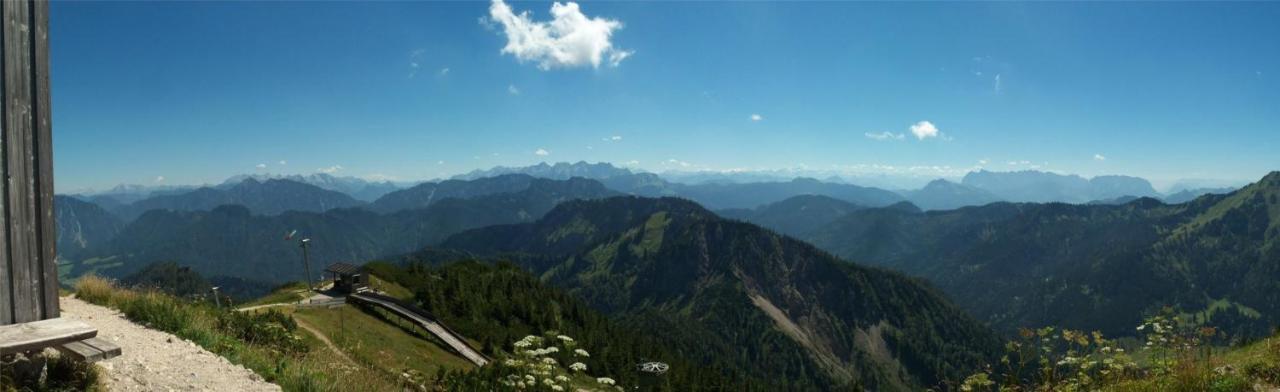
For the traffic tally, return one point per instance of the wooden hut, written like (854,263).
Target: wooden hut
(28,272)
(348,278)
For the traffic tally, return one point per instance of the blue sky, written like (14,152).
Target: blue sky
(195,92)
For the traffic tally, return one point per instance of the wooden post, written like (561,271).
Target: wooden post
(28,269)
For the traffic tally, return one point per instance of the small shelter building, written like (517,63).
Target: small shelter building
(348,278)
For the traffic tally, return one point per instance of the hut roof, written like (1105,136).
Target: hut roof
(343,269)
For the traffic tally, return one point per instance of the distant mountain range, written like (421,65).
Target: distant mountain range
(232,240)
(357,188)
(1085,266)
(1043,187)
(794,216)
(262,197)
(947,195)
(775,305)
(717,190)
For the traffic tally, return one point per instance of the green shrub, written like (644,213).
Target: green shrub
(271,329)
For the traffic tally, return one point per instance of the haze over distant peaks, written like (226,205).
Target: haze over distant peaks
(1043,187)
(557,171)
(359,188)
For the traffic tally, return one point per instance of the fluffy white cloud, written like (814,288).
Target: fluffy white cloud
(1099,157)
(614,138)
(541,152)
(677,162)
(886,135)
(924,130)
(282,163)
(261,166)
(159,178)
(330,169)
(444,71)
(570,39)
(757,117)
(511,89)
(631,162)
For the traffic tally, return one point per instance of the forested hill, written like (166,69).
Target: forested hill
(1087,266)
(80,225)
(727,289)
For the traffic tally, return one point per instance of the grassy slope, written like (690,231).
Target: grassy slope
(376,343)
(382,350)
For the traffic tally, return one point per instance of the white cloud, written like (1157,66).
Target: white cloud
(924,130)
(541,152)
(631,163)
(1099,157)
(983,161)
(159,178)
(570,39)
(997,83)
(330,169)
(757,117)
(886,135)
(677,162)
(444,71)
(439,162)
(261,166)
(614,138)
(282,163)
(415,57)
(511,89)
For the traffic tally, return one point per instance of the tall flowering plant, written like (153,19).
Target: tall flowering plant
(552,362)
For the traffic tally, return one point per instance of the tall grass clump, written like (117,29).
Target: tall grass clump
(94,289)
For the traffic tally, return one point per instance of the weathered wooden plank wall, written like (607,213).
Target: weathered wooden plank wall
(28,273)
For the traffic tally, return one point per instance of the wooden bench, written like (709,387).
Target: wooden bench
(73,338)
(36,335)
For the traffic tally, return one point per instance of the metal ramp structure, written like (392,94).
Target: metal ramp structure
(423,319)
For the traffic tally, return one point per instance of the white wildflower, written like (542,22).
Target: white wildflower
(564,338)
(578,366)
(581,353)
(605,381)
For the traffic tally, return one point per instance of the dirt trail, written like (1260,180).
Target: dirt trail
(158,361)
(325,339)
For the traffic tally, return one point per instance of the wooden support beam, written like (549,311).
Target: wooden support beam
(44,333)
(90,350)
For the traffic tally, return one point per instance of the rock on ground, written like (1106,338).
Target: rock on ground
(157,361)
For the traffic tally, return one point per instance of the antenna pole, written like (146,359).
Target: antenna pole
(306,263)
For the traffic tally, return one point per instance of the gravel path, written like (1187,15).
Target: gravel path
(158,361)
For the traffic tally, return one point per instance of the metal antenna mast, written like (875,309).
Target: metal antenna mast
(306,262)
